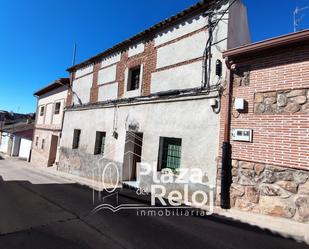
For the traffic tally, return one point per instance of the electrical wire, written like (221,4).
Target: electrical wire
(207,51)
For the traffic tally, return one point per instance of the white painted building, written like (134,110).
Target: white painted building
(148,99)
(49,116)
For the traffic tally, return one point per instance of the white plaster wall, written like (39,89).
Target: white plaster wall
(85,70)
(185,49)
(107,74)
(24,149)
(111,59)
(107,92)
(136,49)
(185,27)
(48,113)
(57,95)
(4,145)
(81,88)
(199,130)
(186,76)
(57,118)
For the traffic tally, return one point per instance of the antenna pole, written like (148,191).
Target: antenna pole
(74,54)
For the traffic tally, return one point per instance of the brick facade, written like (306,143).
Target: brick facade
(275,86)
(94,88)
(69,100)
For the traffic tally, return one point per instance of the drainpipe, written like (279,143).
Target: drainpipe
(226,145)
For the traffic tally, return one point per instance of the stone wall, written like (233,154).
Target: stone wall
(82,164)
(286,101)
(271,190)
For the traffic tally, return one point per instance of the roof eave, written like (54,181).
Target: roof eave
(267,44)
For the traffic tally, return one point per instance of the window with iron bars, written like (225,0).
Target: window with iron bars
(169,153)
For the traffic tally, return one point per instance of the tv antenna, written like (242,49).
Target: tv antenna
(298,19)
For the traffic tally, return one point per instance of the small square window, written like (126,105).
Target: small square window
(134,78)
(76,137)
(42,111)
(169,153)
(57,108)
(99,143)
(43,144)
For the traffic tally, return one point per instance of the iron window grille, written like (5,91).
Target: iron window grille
(169,153)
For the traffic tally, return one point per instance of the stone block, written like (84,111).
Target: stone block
(244,204)
(277,207)
(270,100)
(234,171)
(259,108)
(258,97)
(273,190)
(295,93)
(301,177)
(259,168)
(282,100)
(246,165)
(288,185)
(292,107)
(270,94)
(302,204)
(234,163)
(237,190)
(299,99)
(285,175)
(304,189)
(268,176)
(252,194)
(305,108)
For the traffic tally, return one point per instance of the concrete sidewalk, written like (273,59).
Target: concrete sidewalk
(285,227)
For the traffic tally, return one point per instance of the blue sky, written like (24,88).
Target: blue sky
(38,36)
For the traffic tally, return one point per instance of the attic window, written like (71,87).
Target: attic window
(134,78)
(57,107)
(42,111)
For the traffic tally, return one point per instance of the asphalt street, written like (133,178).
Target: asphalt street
(38,210)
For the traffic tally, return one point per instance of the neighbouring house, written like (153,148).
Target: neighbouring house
(153,98)
(49,117)
(269,126)
(16,139)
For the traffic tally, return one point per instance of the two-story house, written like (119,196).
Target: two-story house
(49,116)
(153,98)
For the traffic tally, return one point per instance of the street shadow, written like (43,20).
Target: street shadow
(60,216)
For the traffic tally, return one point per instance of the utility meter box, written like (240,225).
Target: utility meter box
(244,135)
(239,104)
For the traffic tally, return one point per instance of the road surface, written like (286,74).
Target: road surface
(38,210)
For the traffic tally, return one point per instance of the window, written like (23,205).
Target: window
(133,78)
(99,143)
(36,141)
(76,137)
(57,108)
(42,111)
(43,144)
(169,153)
